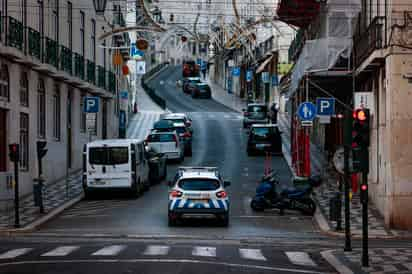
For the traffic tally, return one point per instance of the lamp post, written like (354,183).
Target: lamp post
(99,6)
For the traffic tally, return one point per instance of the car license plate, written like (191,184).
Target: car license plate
(200,200)
(99,182)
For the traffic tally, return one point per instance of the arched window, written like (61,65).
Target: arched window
(41,109)
(24,89)
(4,83)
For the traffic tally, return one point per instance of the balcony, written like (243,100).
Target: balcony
(91,72)
(15,33)
(79,66)
(51,52)
(298,12)
(34,40)
(101,77)
(369,40)
(66,61)
(112,81)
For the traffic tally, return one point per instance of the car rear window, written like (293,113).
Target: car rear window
(199,184)
(263,131)
(160,138)
(108,155)
(195,81)
(180,130)
(256,109)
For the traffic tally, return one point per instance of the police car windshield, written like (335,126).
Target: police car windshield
(108,155)
(256,109)
(199,184)
(263,131)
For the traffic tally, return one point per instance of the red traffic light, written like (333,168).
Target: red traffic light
(364,187)
(360,115)
(13,148)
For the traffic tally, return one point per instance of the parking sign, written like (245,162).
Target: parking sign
(325,106)
(91,104)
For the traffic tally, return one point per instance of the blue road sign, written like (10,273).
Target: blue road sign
(135,52)
(203,66)
(236,71)
(124,95)
(306,111)
(325,106)
(122,119)
(249,75)
(275,80)
(91,104)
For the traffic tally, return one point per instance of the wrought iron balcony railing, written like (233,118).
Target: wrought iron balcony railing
(101,77)
(79,66)
(91,72)
(66,60)
(112,81)
(51,52)
(34,43)
(15,33)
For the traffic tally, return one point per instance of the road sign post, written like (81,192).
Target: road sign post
(14,154)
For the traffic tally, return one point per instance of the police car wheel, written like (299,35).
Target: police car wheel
(172,220)
(87,194)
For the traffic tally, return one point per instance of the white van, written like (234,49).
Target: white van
(115,164)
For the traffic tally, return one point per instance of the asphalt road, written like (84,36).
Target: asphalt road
(219,140)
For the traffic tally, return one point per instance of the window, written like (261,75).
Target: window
(108,155)
(199,184)
(4,83)
(56,112)
(24,141)
(41,109)
(82,32)
(104,54)
(55,19)
(70,24)
(82,114)
(93,40)
(41,16)
(24,90)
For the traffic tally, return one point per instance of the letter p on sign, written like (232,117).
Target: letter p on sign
(91,104)
(325,106)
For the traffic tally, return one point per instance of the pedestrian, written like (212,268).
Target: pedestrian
(274,113)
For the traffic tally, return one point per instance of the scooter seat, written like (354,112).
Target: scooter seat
(294,192)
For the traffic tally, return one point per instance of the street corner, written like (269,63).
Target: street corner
(381,260)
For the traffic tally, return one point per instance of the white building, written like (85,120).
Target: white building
(50,59)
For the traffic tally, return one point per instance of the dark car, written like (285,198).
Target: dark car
(264,138)
(255,113)
(188,83)
(201,90)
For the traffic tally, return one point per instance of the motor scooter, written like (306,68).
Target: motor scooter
(268,196)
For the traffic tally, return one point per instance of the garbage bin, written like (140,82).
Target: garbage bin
(335,208)
(37,192)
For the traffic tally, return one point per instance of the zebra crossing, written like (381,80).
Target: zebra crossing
(94,209)
(249,254)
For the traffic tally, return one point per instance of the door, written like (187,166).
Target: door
(3,140)
(69,129)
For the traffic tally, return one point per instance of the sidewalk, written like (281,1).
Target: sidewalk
(230,100)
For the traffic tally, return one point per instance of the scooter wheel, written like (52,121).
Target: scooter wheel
(255,206)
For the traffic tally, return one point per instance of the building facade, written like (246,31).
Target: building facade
(51,58)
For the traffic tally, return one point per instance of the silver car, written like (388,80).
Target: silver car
(255,113)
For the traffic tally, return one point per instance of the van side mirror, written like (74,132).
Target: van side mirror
(226,183)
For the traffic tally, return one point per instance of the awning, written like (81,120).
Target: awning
(263,65)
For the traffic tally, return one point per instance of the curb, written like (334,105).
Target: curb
(33,225)
(333,261)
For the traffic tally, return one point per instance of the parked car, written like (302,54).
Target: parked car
(178,118)
(264,138)
(198,192)
(188,84)
(201,90)
(185,137)
(166,142)
(157,165)
(117,164)
(255,113)
(163,125)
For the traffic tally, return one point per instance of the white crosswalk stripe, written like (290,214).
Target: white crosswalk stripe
(251,254)
(204,251)
(60,251)
(15,253)
(154,250)
(109,250)
(300,258)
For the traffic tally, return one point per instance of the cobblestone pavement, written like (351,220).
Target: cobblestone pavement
(381,260)
(54,195)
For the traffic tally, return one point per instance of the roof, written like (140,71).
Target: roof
(257,104)
(114,142)
(173,115)
(264,125)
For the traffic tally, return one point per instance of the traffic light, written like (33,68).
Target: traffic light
(360,140)
(14,152)
(172,17)
(364,193)
(41,149)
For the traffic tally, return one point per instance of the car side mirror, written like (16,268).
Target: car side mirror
(226,183)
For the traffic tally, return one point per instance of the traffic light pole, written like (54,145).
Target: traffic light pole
(365,252)
(347,148)
(16,195)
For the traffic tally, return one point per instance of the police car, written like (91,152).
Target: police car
(198,192)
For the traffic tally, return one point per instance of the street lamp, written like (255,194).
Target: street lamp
(99,6)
